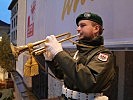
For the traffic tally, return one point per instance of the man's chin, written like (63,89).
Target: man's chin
(84,38)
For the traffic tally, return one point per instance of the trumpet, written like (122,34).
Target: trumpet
(17,50)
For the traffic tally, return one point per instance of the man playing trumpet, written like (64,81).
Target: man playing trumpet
(90,71)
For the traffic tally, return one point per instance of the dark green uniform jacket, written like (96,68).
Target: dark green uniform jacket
(92,72)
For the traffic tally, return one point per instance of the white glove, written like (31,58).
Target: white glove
(53,46)
(48,56)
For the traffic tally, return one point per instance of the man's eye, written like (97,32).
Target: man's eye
(81,25)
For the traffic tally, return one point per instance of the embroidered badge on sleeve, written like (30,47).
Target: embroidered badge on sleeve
(103,57)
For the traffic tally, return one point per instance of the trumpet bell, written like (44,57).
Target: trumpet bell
(16,50)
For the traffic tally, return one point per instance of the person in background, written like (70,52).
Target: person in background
(89,72)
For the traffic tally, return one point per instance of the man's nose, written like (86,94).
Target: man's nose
(78,29)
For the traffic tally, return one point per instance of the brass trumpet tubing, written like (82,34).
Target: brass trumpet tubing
(39,51)
(43,49)
(58,36)
(30,46)
(68,38)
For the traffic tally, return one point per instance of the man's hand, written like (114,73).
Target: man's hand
(52,47)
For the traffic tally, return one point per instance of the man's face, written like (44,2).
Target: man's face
(86,30)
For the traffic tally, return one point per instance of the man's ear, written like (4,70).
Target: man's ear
(96,30)
(96,27)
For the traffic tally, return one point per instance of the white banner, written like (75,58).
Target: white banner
(45,17)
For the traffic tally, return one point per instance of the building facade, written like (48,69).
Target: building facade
(13,28)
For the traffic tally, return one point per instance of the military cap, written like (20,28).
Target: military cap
(89,16)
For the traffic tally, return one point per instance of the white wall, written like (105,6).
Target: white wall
(116,14)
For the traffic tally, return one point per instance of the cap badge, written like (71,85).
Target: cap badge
(87,15)
(103,57)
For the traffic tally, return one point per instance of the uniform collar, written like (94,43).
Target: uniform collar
(98,41)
